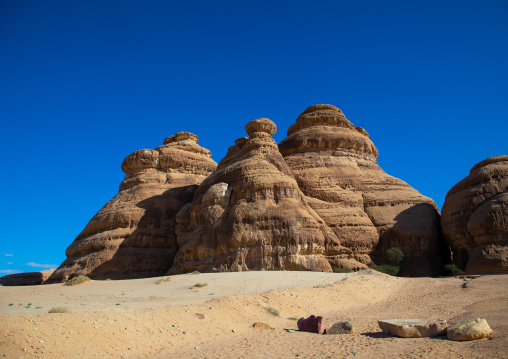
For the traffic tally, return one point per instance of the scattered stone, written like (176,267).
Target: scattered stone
(312,324)
(200,315)
(469,329)
(413,328)
(341,328)
(263,326)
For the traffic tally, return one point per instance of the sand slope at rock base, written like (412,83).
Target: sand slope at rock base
(161,321)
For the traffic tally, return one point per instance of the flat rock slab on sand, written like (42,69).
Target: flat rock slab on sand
(142,319)
(413,328)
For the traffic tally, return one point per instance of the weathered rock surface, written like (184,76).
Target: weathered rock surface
(475,218)
(341,328)
(470,329)
(133,235)
(27,278)
(317,201)
(413,328)
(312,324)
(250,215)
(335,165)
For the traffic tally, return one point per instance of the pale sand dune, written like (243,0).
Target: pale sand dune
(143,319)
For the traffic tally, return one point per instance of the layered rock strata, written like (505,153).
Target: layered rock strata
(133,235)
(250,215)
(335,166)
(475,218)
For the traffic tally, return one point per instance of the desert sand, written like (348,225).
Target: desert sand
(168,317)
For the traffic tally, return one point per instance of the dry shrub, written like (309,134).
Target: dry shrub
(77,280)
(199,285)
(59,310)
(272,311)
(163,280)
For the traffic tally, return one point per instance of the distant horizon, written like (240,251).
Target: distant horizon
(86,84)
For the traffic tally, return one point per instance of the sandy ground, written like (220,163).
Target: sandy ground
(173,319)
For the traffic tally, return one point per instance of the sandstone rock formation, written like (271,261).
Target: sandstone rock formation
(250,215)
(133,235)
(335,165)
(475,218)
(413,328)
(469,329)
(27,278)
(317,201)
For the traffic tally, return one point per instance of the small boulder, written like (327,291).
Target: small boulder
(341,328)
(312,324)
(413,328)
(469,329)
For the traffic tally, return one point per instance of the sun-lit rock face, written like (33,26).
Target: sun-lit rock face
(250,215)
(316,201)
(335,166)
(133,235)
(475,218)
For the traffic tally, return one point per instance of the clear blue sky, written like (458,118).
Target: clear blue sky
(85,83)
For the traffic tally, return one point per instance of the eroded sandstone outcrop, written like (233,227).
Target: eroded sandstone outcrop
(317,201)
(27,278)
(133,235)
(250,215)
(335,165)
(475,218)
